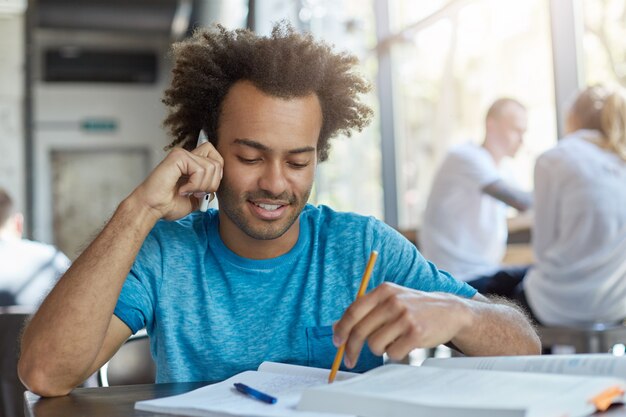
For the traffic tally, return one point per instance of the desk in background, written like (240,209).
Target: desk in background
(518,250)
(120,401)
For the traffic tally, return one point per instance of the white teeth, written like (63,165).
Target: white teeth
(269,207)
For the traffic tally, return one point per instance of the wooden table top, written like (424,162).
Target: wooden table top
(116,401)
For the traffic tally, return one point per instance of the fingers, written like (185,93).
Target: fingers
(204,168)
(208,151)
(397,323)
(398,337)
(401,347)
(396,320)
(353,314)
(382,328)
(167,190)
(364,317)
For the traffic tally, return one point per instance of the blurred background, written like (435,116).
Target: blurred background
(81,83)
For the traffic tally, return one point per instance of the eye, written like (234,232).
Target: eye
(298,165)
(248,160)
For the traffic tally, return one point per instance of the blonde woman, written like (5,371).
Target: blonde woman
(579,235)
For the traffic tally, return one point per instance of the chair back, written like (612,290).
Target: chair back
(593,338)
(12,321)
(132,364)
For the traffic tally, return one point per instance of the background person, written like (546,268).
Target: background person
(28,269)
(464,230)
(579,232)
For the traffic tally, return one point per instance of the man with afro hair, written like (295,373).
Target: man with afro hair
(267,276)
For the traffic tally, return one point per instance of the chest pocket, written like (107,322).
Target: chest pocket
(321,351)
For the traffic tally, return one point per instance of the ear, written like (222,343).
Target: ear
(571,123)
(18,222)
(490,123)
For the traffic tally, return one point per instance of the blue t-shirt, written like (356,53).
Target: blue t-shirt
(211,314)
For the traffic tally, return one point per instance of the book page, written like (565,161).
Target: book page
(406,390)
(222,399)
(580,364)
(319,373)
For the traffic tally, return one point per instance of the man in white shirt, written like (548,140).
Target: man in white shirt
(28,270)
(465,230)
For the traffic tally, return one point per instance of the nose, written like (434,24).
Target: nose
(273,179)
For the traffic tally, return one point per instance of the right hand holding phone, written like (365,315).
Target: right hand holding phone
(172,189)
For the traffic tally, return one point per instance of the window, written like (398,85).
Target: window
(350,180)
(448,68)
(604,50)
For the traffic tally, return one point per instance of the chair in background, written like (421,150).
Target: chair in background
(595,338)
(132,364)
(12,321)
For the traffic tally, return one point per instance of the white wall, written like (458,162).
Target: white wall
(11,106)
(60,108)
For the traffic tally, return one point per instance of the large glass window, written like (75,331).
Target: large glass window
(449,67)
(350,180)
(603,41)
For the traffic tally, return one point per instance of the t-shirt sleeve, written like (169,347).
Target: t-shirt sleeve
(135,306)
(402,264)
(474,165)
(61,263)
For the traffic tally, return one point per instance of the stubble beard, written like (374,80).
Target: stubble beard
(233,206)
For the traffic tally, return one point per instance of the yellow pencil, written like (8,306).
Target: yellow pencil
(364,280)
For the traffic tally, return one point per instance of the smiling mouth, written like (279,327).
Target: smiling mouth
(269,211)
(268,207)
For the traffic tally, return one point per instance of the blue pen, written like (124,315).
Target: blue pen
(256,394)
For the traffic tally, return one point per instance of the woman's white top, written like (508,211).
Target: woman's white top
(579,235)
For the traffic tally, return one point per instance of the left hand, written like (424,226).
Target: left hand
(396,320)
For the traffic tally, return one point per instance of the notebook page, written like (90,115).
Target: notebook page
(222,399)
(319,373)
(601,364)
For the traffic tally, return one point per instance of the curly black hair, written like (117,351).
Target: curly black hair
(286,64)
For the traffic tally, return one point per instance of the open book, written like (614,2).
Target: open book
(285,382)
(439,388)
(593,364)
(469,387)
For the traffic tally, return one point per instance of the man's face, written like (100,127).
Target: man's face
(269,146)
(509,128)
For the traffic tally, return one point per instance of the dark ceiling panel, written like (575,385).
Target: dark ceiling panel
(145,16)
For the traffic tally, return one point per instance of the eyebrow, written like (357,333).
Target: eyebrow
(257,145)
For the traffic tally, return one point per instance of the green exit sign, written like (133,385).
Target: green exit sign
(99,125)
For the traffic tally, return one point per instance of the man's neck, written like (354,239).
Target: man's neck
(8,234)
(248,247)
(494,151)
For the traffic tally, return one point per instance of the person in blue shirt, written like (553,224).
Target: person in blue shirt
(267,276)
